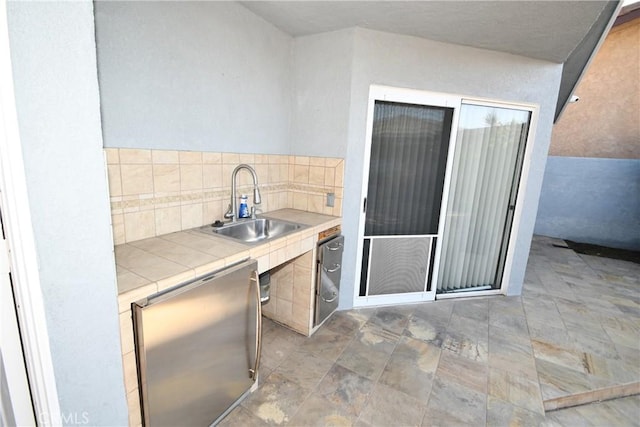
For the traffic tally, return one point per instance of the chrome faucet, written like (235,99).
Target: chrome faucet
(232,211)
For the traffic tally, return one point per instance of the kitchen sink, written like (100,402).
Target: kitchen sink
(253,231)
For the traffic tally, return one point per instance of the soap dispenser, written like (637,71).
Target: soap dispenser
(243,211)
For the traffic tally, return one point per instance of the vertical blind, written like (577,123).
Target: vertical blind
(406,171)
(486,170)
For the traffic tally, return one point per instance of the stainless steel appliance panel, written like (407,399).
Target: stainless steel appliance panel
(328,277)
(198,346)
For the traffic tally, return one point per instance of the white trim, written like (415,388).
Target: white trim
(402,236)
(18,401)
(24,266)
(389,299)
(489,102)
(453,141)
(363,194)
(520,196)
(458,295)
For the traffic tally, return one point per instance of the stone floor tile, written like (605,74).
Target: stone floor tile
(549,333)
(596,343)
(466,372)
(369,352)
(607,414)
(473,329)
(514,324)
(264,371)
(559,355)
(629,309)
(567,418)
(557,380)
(511,353)
(629,355)
(317,411)
(345,389)
(614,370)
(411,368)
(475,348)
(276,401)
(571,307)
(390,319)
(543,315)
(389,407)
(621,335)
(241,416)
(304,368)
(515,389)
(327,344)
(553,283)
(277,343)
(438,311)
(476,309)
(501,413)
(453,404)
(426,330)
(596,304)
(539,302)
(628,407)
(509,305)
(348,322)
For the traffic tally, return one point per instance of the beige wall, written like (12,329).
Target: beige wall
(605,122)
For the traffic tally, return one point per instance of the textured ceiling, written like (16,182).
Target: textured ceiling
(548,30)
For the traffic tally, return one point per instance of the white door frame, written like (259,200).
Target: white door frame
(16,408)
(22,250)
(414,96)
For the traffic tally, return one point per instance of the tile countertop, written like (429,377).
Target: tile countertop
(145,267)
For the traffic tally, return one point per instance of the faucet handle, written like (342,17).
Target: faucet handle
(229,213)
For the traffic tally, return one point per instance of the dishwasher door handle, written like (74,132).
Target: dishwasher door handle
(253,373)
(332,270)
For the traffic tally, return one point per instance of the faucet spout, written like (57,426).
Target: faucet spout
(232,212)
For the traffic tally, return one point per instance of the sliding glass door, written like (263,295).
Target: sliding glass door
(442,177)
(488,157)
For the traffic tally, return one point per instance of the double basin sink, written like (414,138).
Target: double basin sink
(253,231)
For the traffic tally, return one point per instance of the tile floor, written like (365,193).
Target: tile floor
(480,361)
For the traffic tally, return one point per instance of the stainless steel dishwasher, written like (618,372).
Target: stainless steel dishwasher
(328,276)
(198,347)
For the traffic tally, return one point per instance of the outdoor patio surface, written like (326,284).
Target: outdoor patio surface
(495,361)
